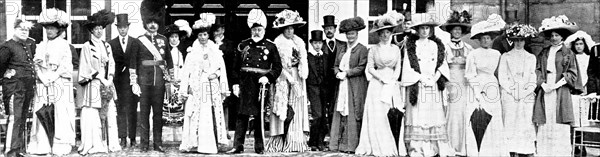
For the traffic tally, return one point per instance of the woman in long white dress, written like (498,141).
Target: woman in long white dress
(484,88)
(516,74)
(54,69)
(289,89)
(96,71)
(383,93)
(424,75)
(203,81)
(557,79)
(458,25)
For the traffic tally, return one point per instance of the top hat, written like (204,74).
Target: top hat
(329,20)
(122,20)
(316,35)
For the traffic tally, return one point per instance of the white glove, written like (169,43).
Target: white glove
(341,75)
(135,88)
(236,90)
(189,49)
(263,80)
(547,87)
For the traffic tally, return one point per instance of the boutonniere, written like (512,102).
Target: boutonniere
(162,51)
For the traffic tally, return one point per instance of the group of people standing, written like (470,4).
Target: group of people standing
(409,94)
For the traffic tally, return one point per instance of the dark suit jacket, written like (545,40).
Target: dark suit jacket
(230,57)
(123,58)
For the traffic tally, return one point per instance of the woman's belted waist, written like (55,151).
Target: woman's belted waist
(153,62)
(255,70)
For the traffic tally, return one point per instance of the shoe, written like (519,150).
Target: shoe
(235,151)
(158,148)
(314,148)
(260,151)
(123,142)
(132,143)
(144,148)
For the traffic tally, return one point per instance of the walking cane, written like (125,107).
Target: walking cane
(263,90)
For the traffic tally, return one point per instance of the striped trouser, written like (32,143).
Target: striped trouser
(17,96)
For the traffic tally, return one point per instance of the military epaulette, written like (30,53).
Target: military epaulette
(160,35)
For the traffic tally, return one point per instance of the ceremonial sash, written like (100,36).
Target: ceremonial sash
(151,48)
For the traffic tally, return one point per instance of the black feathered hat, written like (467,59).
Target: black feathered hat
(100,18)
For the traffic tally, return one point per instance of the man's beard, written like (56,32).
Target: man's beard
(257,38)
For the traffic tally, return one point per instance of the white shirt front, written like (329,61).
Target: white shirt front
(123,44)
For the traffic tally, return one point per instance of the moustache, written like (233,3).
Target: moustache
(152,27)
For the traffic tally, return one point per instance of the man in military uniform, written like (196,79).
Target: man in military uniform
(18,85)
(151,62)
(259,64)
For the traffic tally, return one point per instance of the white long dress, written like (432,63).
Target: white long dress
(425,128)
(55,57)
(376,138)
(582,63)
(203,108)
(517,77)
(481,65)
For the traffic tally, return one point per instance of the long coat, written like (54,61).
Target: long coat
(357,91)
(566,67)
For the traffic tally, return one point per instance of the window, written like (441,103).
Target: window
(423,5)
(60,4)
(377,7)
(399,4)
(79,34)
(81,8)
(31,7)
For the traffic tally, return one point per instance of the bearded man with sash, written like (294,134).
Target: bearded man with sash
(154,68)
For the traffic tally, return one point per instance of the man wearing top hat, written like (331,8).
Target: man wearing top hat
(331,46)
(259,63)
(154,69)
(124,47)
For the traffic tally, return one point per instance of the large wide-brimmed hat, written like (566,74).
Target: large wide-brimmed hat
(382,22)
(587,39)
(257,18)
(462,19)
(352,24)
(172,28)
(288,18)
(204,23)
(122,20)
(521,31)
(492,26)
(100,18)
(423,20)
(328,20)
(54,17)
(560,24)
(184,26)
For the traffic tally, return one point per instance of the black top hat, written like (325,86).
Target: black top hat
(329,20)
(122,20)
(316,35)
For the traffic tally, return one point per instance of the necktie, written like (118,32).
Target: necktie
(330,44)
(123,40)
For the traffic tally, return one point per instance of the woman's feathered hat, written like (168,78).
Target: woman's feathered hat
(386,21)
(204,23)
(184,26)
(100,18)
(587,39)
(256,18)
(423,20)
(54,17)
(288,18)
(153,11)
(173,28)
(352,24)
(521,31)
(492,26)
(560,24)
(462,19)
